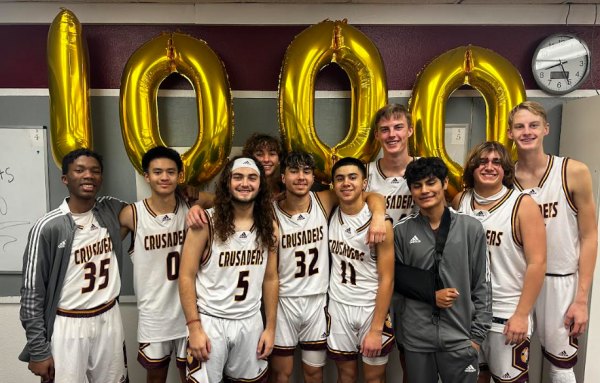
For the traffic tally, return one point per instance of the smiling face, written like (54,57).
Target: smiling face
(162,176)
(528,130)
(348,183)
(428,193)
(298,180)
(489,174)
(268,158)
(393,133)
(244,185)
(83,178)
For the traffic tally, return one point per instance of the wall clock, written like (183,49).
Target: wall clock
(561,63)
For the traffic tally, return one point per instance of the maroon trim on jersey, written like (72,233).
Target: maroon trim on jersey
(315,345)
(563,361)
(262,378)
(87,313)
(283,350)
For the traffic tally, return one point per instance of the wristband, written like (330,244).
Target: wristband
(192,321)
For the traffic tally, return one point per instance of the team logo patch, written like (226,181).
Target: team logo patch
(414,239)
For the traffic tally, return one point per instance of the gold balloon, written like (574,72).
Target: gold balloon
(68,85)
(198,63)
(491,74)
(314,48)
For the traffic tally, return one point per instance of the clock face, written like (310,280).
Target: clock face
(561,63)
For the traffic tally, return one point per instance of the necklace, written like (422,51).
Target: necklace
(491,199)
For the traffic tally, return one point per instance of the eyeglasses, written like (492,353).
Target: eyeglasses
(494,161)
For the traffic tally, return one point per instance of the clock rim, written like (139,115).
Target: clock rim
(541,85)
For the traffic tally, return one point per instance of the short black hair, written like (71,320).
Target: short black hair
(70,157)
(349,161)
(425,167)
(161,152)
(297,159)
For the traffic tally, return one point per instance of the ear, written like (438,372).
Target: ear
(510,134)
(364,187)
(410,131)
(180,177)
(547,129)
(64,180)
(147,177)
(445,183)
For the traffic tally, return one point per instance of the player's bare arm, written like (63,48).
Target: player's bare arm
(532,233)
(270,298)
(126,219)
(456,200)
(195,244)
(371,345)
(196,217)
(579,182)
(376,203)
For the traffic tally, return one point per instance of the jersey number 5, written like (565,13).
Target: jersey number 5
(242,284)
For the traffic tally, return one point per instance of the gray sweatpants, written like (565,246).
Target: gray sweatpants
(460,366)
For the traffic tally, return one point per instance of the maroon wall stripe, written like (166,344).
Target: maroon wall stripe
(253,54)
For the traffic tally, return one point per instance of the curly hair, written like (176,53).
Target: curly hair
(425,167)
(263,214)
(258,141)
(473,163)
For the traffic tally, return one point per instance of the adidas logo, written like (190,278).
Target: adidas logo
(243,235)
(563,353)
(247,162)
(506,376)
(395,180)
(480,213)
(532,192)
(348,231)
(324,335)
(414,239)
(470,368)
(301,218)
(62,244)
(93,227)
(166,218)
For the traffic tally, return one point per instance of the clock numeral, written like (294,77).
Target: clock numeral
(541,74)
(559,84)
(568,81)
(581,63)
(549,81)
(577,74)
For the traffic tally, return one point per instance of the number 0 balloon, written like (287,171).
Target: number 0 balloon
(491,74)
(194,60)
(314,48)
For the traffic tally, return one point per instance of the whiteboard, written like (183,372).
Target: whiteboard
(23,190)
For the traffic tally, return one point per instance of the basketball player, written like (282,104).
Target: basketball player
(392,127)
(443,342)
(267,150)
(303,268)
(71,283)
(225,266)
(563,190)
(516,240)
(361,281)
(158,227)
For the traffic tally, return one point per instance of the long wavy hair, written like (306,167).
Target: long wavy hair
(262,212)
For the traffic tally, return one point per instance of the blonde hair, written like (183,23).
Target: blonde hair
(531,106)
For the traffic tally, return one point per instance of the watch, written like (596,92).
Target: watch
(561,63)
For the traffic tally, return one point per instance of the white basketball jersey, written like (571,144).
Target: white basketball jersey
(506,258)
(398,200)
(353,280)
(155,253)
(92,277)
(560,216)
(303,250)
(229,282)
